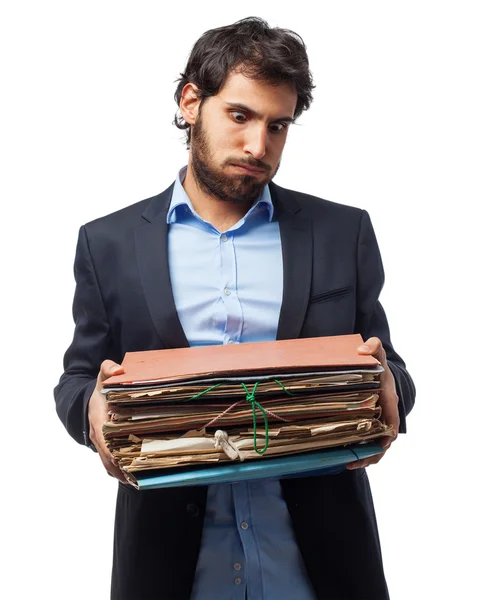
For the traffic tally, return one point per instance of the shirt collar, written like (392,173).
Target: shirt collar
(180,199)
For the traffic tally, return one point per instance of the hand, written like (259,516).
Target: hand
(388,400)
(98,414)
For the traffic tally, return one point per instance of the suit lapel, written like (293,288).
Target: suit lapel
(151,240)
(297,250)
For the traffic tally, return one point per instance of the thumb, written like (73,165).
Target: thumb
(108,369)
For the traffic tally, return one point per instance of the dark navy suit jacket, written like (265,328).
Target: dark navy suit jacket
(123,302)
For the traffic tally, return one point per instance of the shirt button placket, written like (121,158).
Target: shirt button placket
(230,299)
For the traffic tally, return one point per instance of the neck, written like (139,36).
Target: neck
(220,213)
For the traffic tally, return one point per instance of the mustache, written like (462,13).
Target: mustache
(257,164)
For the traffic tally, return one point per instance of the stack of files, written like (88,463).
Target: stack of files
(228,413)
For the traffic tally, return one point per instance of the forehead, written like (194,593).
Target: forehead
(264,98)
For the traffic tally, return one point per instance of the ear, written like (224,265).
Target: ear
(190,103)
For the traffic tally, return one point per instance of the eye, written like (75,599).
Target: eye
(277,127)
(239,117)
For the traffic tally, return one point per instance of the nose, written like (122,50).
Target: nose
(255,142)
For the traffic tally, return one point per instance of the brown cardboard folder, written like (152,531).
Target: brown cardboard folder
(282,356)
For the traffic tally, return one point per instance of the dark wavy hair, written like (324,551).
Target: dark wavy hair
(256,50)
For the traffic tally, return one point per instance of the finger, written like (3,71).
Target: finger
(390,416)
(100,445)
(111,468)
(108,369)
(118,474)
(372,346)
(387,440)
(360,464)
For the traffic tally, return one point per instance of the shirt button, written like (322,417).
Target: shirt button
(227,292)
(231,341)
(244,525)
(237,581)
(224,237)
(237,567)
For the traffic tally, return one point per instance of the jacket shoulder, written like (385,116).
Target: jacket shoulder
(316,206)
(131,216)
(127,214)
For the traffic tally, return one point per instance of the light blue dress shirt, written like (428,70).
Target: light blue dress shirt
(228,287)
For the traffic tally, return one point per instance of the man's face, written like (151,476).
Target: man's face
(238,138)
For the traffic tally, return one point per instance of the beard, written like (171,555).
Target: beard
(238,188)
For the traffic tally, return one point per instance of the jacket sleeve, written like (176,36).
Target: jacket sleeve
(90,346)
(371,319)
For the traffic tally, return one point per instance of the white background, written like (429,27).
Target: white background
(86,111)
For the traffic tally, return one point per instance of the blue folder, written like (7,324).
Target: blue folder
(321,462)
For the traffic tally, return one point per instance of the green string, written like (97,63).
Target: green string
(204,392)
(250,397)
(284,389)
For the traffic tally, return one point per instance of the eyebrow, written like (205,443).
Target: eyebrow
(252,112)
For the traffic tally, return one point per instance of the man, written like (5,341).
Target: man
(226,256)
